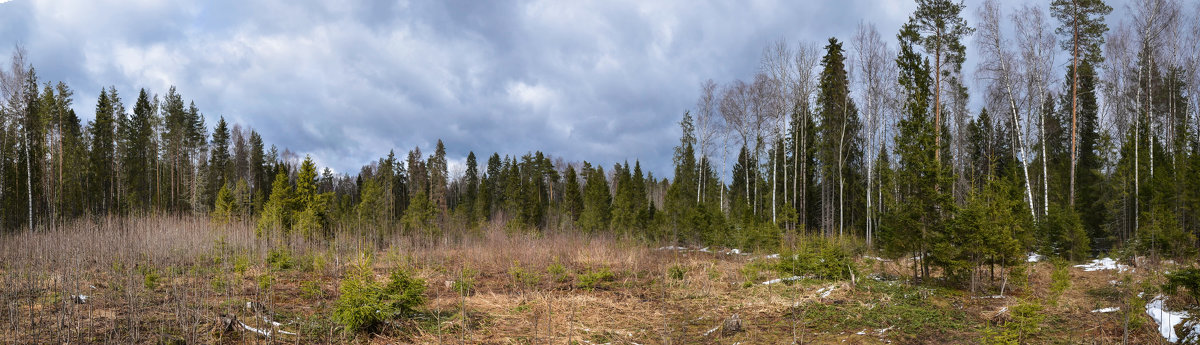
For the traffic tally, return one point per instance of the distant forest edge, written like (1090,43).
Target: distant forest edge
(871,140)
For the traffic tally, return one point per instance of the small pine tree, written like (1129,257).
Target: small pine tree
(276,217)
(225,209)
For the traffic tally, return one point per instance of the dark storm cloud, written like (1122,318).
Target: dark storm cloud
(605,81)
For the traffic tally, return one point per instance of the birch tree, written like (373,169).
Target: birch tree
(998,66)
(708,127)
(874,78)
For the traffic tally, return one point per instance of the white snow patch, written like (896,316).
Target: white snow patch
(714,329)
(1107,310)
(1167,319)
(705,249)
(1001,311)
(256,330)
(884,330)
(772,256)
(273,323)
(876,258)
(734,251)
(780,280)
(826,290)
(1034,257)
(672,248)
(862,332)
(1103,264)
(80,298)
(989,297)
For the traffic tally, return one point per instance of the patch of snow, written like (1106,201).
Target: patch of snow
(714,329)
(1166,319)
(256,330)
(672,248)
(80,298)
(734,251)
(780,280)
(826,291)
(772,256)
(1113,282)
(876,258)
(1107,310)
(273,323)
(1034,257)
(884,330)
(989,297)
(862,332)
(705,249)
(1002,310)
(1103,264)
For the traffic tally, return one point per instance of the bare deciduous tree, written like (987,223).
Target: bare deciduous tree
(997,65)
(708,125)
(876,72)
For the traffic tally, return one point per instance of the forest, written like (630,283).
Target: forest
(1082,143)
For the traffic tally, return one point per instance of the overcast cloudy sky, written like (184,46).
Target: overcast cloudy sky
(345,81)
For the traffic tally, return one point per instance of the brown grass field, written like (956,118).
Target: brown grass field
(169,280)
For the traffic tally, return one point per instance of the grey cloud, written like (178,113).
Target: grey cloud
(347,81)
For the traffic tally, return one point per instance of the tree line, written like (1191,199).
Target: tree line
(872,139)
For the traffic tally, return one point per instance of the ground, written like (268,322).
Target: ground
(173,280)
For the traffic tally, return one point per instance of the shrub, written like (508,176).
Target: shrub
(820,257)
(280,259)
(522,277)
(1067,237)
(677,272)
(149,277)
(1186,278)
(311,290)
(1060,280)
(465,282)
(365,303)
(266,281)
(241,263)
(558,272)
(1026,321)
(597,279)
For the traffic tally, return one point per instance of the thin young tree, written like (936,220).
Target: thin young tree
(875,74)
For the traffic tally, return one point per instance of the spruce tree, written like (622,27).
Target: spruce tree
(597,202)
(572,195)
(916,218)
(103,154)
(840,147)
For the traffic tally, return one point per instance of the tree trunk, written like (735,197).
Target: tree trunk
(1074,107)
(29,176)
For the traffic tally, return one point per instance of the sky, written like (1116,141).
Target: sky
(347,81)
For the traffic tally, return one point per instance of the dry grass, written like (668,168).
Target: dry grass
(169,279)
